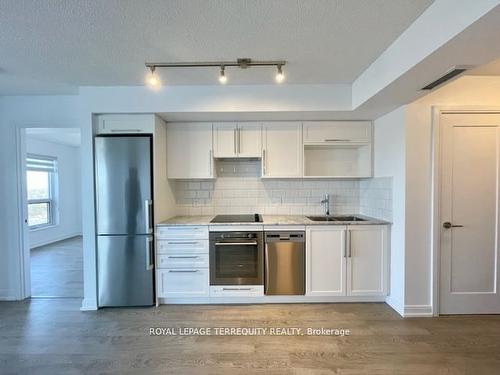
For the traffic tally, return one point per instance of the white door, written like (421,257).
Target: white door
(367,260)
(326,260)
(249,140)
(469,214)
(189,150)
(225,140)
(282,150)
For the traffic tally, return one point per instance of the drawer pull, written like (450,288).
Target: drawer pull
(182,243)
(236,244)
(184,228)
(337,140)
(183,257)
(236,289)
(182,271)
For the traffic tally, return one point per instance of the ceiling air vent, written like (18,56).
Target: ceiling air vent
(453,72)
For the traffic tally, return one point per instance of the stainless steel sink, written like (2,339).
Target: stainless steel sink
(335,218)
(348,218)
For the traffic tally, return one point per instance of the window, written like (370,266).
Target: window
(41,173)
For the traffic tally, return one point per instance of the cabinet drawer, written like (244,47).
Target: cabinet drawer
(182,261)
(181,232)
(331,132)
(186,282)
(182,246)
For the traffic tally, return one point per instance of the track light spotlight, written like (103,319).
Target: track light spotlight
(280,76)
(152,79)
(222,75)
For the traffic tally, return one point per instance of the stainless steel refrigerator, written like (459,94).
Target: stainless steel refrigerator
(124,213)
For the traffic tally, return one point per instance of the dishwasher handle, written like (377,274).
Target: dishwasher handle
(284,237)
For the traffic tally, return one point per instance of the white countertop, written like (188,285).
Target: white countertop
(271,220)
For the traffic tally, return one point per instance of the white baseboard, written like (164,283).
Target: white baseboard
(88,305)
(267,299)
(55,239)
(396,305)
(8,295)
(418,311)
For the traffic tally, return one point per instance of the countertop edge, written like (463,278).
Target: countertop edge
(269,220)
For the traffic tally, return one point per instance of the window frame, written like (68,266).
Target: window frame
(50,201)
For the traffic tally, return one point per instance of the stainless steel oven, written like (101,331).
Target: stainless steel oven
(236,258)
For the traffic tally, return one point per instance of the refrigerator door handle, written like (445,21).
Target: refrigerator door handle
(149,254)
(147,215)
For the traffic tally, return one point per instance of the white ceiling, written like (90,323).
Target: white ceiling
(55,46)
(65,136)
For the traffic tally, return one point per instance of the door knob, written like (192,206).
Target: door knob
(448,225)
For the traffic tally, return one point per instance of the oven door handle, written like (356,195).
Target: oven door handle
(236,243)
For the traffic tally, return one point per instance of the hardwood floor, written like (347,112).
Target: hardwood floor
(57,269)
(51,336)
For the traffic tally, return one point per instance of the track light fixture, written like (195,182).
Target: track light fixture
(153,80)
(222,76)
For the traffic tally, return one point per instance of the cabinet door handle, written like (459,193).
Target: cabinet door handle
(182,271)
(345,244)
(350,244)
(235,142)
(264,162)
(239,141)
(125,130)
(210,163)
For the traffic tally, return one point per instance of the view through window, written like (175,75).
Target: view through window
(40,176)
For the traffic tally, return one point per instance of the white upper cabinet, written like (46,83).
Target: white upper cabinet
(189,150)
(225,142)
(367,260)
(282,149)
(331,132)
(326,260)
(232,140)
(249,139)
(338,149)
(126,124)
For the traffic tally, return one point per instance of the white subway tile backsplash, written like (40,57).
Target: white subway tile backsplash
(244,191)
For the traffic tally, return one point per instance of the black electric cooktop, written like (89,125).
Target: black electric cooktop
(255,218)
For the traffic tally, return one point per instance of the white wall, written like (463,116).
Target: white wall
(389,155)
(16,113)
(69,213)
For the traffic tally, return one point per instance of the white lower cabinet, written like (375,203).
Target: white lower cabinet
(184,283)
(346,260)
(182,262)
(325,260)
(367,260)
(341,261)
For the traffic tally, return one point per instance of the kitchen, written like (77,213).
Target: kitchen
(274,186)
(237,255)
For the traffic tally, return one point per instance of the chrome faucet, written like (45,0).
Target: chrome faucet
(326,204)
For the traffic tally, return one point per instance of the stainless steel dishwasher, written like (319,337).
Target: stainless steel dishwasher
(285,263)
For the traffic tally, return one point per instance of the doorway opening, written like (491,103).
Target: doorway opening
(51,183)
